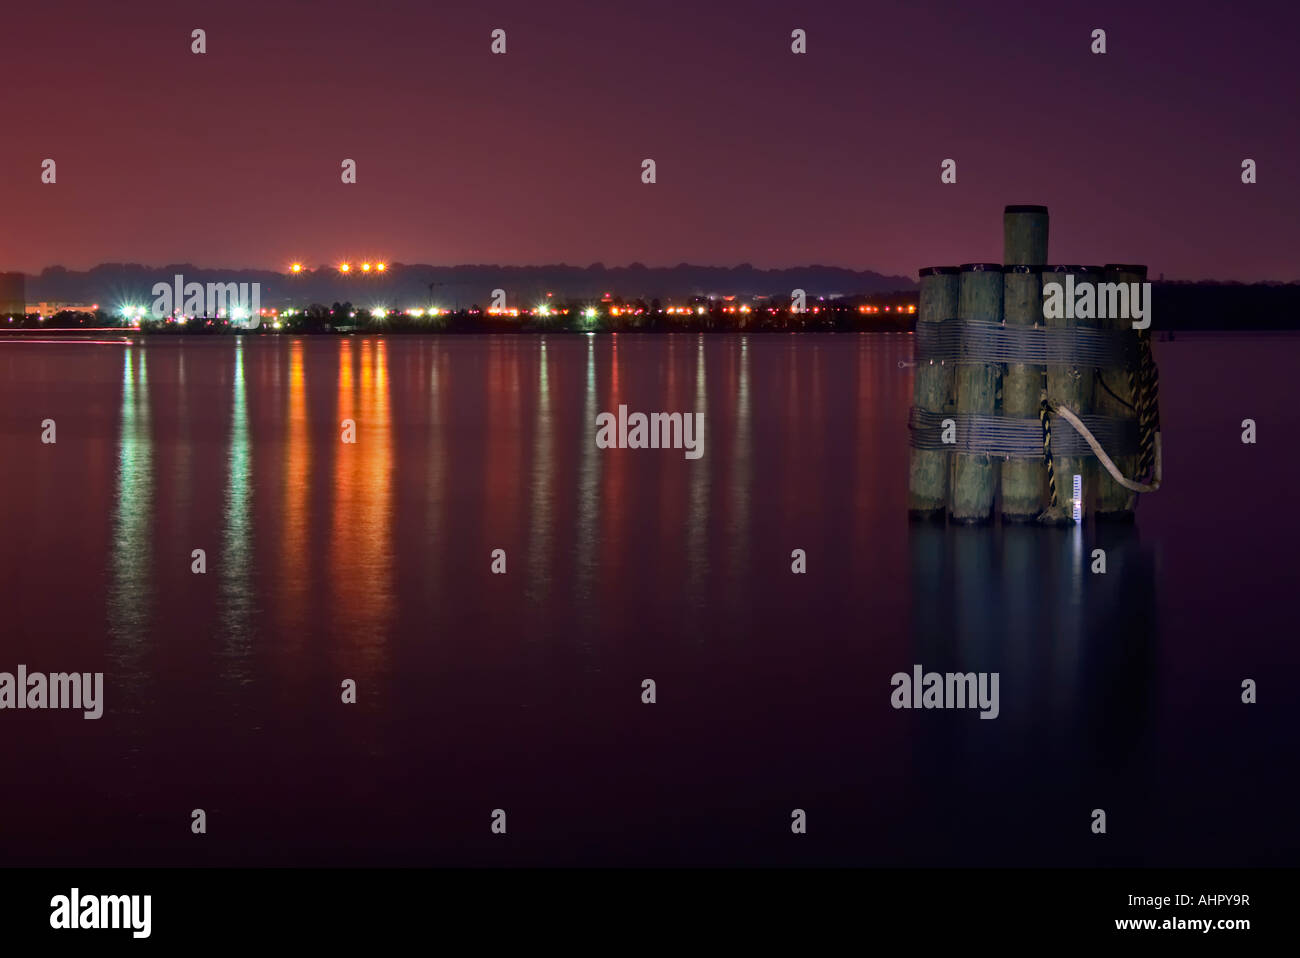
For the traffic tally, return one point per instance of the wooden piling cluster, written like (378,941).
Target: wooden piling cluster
(1000,403)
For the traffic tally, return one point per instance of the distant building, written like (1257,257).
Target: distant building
(52,309)
(13,294)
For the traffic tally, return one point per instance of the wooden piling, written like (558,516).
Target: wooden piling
(979,298)
(1024,481)
(1024,251)
(1070,386)
(1024,235)
(927,489)
(1116,396)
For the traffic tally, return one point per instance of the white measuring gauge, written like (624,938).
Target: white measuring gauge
(1078,499)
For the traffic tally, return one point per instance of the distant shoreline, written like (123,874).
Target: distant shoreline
(1178,307)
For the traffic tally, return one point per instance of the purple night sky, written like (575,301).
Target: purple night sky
(233,158)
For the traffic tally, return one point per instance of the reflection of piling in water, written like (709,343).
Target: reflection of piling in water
(979,299)
(931,565)
(933,392)
(1074,648)
(1120,614)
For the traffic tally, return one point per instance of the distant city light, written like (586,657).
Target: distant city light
(543,310)
(296,267)
(365,267)
(699,310)
(589,313)
(416,312)
(380,312)
(381,266)
(345,268)
(239,313)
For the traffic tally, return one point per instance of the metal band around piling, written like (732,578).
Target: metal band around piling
(970,341)
(1005,437)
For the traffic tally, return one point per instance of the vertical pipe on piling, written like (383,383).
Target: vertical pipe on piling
(979,299)
(927,488)
(1113,500)
(1069,385)
(1024,235)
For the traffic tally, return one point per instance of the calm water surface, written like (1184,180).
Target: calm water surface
(371,562)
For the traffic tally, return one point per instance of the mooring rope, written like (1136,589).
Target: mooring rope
(1149,409)
(1105,460)
(1144,387)
(1047,443)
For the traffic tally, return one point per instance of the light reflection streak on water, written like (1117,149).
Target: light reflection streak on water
(542,526)
(697,528)
(236,569)
(741,476)
(131,566)
(588,487)
(295,505)
(361,547)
